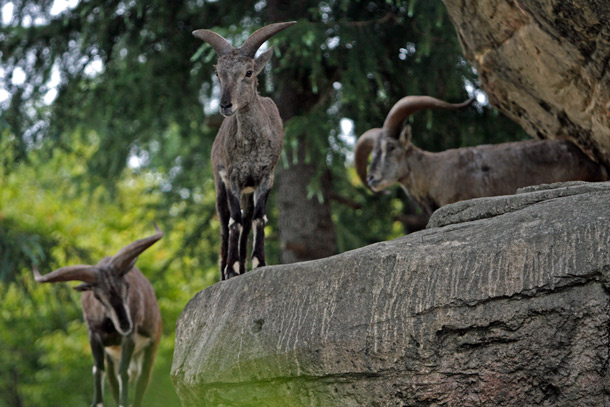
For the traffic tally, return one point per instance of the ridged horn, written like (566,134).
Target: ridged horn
(128,254)
(261,35)
(411,104)
(80,272)
(363,149)
(217,41)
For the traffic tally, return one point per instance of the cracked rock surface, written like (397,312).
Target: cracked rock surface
(506,304)
(544,63)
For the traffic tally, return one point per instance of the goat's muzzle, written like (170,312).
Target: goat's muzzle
(226,110)
(374,183)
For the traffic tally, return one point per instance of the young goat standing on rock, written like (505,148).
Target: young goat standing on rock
(121,310)
(246,149)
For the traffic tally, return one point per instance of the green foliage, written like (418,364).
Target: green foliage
(350,59)
(41,325)
(69,196)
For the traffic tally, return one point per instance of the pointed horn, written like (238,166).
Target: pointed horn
(128,254)
(220,45)
(79,272)
(363,149)
(411,104)
(261,35)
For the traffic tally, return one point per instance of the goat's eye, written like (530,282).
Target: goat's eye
(389,147)
(216,73)
(248,74)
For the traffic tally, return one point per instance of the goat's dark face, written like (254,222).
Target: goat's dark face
(107,280)
(388,164)
(112,291)
(237,75)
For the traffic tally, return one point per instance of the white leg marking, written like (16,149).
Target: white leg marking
(121,384)
(255,262)
(264,221)
(236,267)
(223,175)
(239,225)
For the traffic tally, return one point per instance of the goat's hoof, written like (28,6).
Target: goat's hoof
(257,263)
(230,272)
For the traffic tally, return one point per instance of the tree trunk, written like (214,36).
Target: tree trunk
(306,230)
(13,397)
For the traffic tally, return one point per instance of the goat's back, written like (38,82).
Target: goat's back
(500,169)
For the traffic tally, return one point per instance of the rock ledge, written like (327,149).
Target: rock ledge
(511,309)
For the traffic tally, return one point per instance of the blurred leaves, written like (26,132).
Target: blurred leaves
(45,218)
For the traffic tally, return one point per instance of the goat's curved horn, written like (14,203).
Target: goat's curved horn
(363,149)
(411,104)
(79,272)
(261,35)
(128,254)
(217,41)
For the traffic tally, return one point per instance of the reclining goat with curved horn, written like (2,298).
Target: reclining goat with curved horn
(246,149)
(121,310)
(437,179)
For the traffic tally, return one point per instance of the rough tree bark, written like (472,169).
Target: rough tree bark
(306,230)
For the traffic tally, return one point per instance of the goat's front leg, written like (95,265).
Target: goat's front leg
(113,382)
(127,347)
(222,208)
(261,194)
(97,348)
(234,267)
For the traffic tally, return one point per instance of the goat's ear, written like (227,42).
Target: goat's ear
(405,136)
(261,61)
(83,287)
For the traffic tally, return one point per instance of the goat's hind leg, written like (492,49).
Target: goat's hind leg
(148,359)
(248,211)
(260,219)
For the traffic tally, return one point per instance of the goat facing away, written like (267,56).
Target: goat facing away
(437,179)
(246,149)
(121,311)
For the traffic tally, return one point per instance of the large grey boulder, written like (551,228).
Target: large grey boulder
(544,63)
(507,304)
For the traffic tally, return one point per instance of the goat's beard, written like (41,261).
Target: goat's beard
(227,112)
(379,185)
